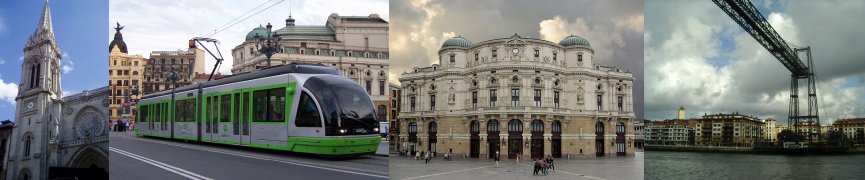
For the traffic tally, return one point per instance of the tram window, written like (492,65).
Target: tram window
(143,114)
(307,112)
(245,113)
(236,114)
(214,106)
(269,105)
(225,108)
(208,109)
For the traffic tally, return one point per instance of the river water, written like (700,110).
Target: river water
(692,165)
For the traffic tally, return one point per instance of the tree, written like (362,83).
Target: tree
(790,136)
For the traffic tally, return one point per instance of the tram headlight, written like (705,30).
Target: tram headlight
(375,129)
(342,131)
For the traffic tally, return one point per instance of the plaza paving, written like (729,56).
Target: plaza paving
(475,169)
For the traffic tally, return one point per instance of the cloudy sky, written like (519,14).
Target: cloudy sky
(154,25)
(78,30)
(697,57)
(614,28)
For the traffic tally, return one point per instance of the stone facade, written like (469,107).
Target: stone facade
(356,45)
(52,131)
(185,63)
(125,79)
(519,96)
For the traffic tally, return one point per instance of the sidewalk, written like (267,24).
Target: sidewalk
(580,168)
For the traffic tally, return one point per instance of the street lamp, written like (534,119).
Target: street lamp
(267,45)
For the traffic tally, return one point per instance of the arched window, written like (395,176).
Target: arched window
(134,73)
(493,126)
(620,128)
(28,139)
(515,126)
(412,128)
(433,128)
(476,127)
(24,174)
(599,128)
(557,127)
(537,126)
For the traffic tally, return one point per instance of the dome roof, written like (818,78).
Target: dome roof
(261,31)
(118,40)
(457,42)
(574,40)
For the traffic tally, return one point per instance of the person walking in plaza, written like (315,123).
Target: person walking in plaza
(543,166)
(550,162)
(417,155)
(427,157)
(518,158)
(497,158)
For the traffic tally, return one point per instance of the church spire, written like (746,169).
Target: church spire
(45,25)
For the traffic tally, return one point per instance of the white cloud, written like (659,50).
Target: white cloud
(68,64)
(8,91)
(605,34)
(152,26)
(2,61)
(686,50)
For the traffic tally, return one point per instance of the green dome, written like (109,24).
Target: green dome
(457,42)
(574,40)
(261,31)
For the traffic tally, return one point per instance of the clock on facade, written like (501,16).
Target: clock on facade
(516,51)
(30,105)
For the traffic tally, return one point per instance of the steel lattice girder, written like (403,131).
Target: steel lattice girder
(744,13)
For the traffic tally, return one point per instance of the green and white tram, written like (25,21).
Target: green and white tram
(298,108)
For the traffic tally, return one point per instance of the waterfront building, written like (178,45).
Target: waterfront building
(161,65)
(204,77)
(356,45)
(771,130)
(853,128)
(670,132)
(517,95)
(729,130)
(681,114)
(67,135)
(125,78)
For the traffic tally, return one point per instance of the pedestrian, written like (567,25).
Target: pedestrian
(427,157)
(416,155)
(550,162)
(518,158)
(543,167)
(497,158)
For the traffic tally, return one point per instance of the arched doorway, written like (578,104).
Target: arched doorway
(515,138)
(24,174)
(412,137)
(599,139)
(89,157)
(620,139)
(556,143)
(492,138)
(537,139)
(431,146)
(475,140)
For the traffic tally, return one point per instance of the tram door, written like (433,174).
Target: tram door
(245,108)
(208,118)
(224,124)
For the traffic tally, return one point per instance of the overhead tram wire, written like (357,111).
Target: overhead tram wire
(238,17)
(217,31)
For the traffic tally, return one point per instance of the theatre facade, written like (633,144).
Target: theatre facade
(517,95)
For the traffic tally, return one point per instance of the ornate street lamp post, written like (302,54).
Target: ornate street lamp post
(268,45)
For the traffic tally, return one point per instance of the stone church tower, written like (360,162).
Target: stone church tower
(38,106)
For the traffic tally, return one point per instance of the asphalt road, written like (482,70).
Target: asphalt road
(134,157)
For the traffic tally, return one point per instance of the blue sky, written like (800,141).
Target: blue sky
(79,29)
